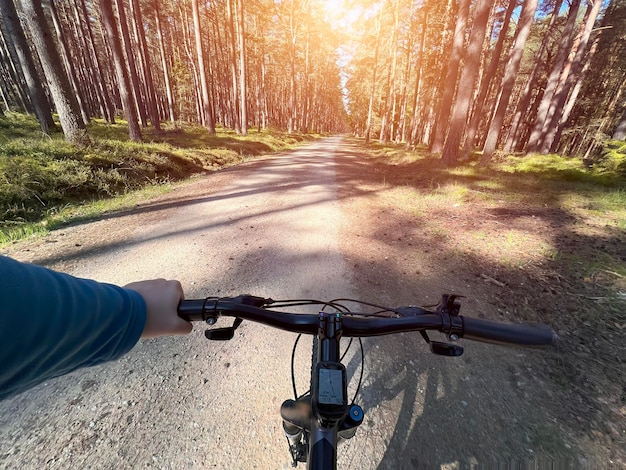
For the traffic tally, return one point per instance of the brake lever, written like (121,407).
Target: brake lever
(226,334)
(448,308)
(223,334)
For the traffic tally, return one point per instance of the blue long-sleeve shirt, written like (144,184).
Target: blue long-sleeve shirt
(52,323)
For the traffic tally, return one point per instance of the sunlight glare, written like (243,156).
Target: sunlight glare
(338,16)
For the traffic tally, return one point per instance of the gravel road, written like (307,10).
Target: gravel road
(273,227)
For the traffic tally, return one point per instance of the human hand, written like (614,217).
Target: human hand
(162,298)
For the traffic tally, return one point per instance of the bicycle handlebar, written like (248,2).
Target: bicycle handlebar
(249,308)
(524,334)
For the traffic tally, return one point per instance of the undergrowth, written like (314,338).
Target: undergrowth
(589,197)
(42,176)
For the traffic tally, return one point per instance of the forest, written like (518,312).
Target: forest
(453,76)
(487,75)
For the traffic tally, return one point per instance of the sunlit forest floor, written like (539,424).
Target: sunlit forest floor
(540,238)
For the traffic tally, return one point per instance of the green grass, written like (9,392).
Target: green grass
(43,176)
(586,200)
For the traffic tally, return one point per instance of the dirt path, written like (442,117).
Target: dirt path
(311,223)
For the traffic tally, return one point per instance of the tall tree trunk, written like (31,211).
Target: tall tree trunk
(263,92)
(81,59)
(513,137)
(307,79)
(418,81)
(164,63)
(370,110)
(458,49)
(508,80)
(15,76)
(571,100)
(242,68)
(544,110)
(233,67)
(385,131)
(466,83)
(4,88)
(132,67)
(3,92)
(401,135)
(206,104)
(292,69)
(620,131)
(572,78)
(147,67)
(87,63)
(35,89)
(108,20)
(69,66)
(479,104)
(222,113)
(62,94)
(108,102)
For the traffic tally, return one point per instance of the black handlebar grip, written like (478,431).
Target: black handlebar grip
(192,310)
(524,334)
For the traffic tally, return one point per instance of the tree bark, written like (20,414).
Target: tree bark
(166,72)
(571,100)
(513,139)
(108,20)
(385,131)
(36,92)
(62,94)
(130,61)
(14,76)
(485,85)
(549,133)
(233,67)
(458,49)
(418,82)
(620,131)
(304,120)
(508,80)
(544,110)
(206,104)
(69,66)
(81,38)
(292,69)
(401,134)
(242,68)
(368,126)
(108,102)
(155,119)
(467,81)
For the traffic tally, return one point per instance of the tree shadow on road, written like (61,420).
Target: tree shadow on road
(561,404)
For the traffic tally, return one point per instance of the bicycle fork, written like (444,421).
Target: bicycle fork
(299,424)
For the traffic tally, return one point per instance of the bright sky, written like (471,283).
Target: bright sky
(346,19)
(339,16)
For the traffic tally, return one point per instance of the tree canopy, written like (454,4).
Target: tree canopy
(456,76)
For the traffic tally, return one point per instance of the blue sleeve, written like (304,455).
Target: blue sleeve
(52,323)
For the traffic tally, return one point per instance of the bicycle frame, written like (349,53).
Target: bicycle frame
(322,429)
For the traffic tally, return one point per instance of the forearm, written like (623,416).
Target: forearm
(52,323)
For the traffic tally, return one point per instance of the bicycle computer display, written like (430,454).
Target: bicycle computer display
(330,391)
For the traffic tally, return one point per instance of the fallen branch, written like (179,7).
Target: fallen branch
(587,297)
(613,273)
(492,280)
